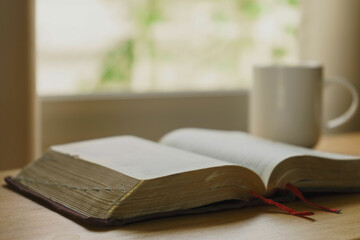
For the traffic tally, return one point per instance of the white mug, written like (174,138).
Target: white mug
(286,103)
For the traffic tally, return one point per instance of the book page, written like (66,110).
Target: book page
(136,157)
(240,148)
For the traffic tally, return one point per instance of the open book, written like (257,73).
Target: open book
(123,179)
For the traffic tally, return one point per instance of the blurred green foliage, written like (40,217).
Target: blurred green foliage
(118,63)
(278,53)
(250,8)
(149,13)
(294,3)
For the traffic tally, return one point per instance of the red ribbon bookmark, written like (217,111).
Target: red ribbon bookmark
(281,206)
(297,193)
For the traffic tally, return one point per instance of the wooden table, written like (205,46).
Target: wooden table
(22,218)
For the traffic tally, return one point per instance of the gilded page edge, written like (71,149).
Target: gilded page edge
(117,202)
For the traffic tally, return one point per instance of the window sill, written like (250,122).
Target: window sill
(148,115)
(142,95)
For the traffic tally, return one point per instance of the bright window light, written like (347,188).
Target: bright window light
(88,46)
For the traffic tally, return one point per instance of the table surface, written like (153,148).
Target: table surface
(22,218)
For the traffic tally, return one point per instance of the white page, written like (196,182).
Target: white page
(137,157)
(242,149)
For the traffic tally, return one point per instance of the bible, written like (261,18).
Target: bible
(123,179)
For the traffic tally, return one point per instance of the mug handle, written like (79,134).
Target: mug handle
(346,116)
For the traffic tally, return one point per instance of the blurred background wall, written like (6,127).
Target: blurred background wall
(330,34)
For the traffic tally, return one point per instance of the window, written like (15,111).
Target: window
(88,46)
